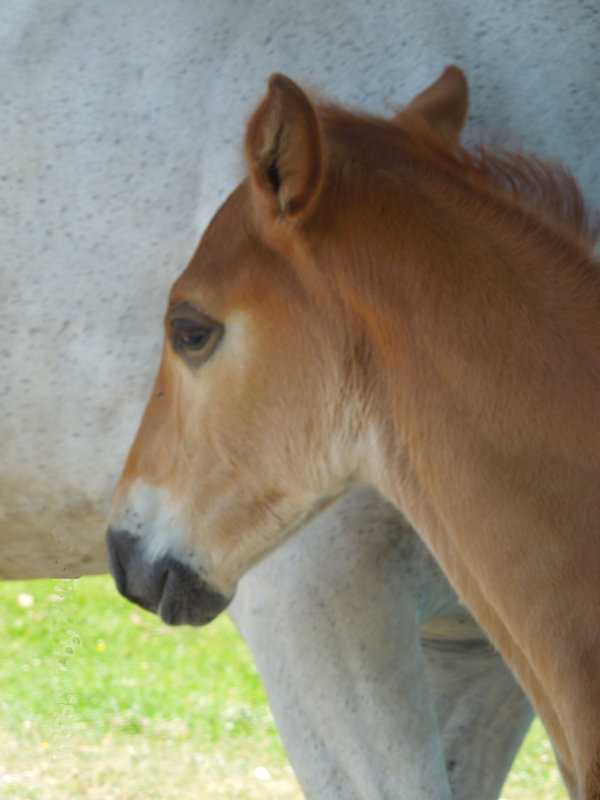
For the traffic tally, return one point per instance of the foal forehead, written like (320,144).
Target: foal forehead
(228,256)
(233,266)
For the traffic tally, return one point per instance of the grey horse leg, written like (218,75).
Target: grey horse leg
(333,620)
(482,712)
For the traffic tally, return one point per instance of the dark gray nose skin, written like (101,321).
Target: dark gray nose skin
(166,586)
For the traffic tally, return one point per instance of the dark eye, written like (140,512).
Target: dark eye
(188,335)
(193,338)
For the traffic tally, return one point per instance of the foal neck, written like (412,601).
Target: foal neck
(480,270)
(483,318)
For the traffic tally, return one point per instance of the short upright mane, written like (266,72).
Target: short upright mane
(545,189)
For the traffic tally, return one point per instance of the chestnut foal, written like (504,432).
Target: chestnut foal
(374,304)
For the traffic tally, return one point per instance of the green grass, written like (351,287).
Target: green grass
(535,774)
(98,699)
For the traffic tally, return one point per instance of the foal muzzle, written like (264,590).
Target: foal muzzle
(166,586)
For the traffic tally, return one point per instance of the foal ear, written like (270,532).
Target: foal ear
(443,105)
(284,150)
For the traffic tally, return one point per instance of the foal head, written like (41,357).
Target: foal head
(262,408)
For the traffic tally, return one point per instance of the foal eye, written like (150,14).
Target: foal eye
(189,336)
(194,340)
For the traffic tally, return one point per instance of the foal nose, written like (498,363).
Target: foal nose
(166,586)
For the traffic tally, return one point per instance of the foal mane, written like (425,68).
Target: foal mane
(541,189)
(545,189)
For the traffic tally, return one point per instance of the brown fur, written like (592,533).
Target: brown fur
(546,190)
(399,311)
(592,782)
